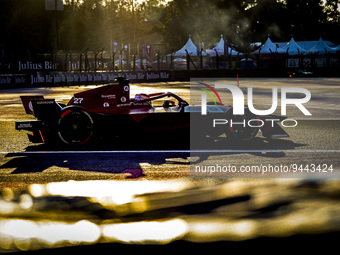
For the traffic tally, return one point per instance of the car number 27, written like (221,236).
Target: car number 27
(78,100)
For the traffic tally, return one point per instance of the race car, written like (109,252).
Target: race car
(107,114)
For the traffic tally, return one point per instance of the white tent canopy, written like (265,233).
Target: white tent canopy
(269,47)
(322,48)
(179,60)
(293,48)
(220,49)
(190,47)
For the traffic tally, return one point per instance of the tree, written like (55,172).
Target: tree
(267,17)
(95,24)
(25,26)
(305,18)
(247,21)
(202,19)
(332,11)
(332,25)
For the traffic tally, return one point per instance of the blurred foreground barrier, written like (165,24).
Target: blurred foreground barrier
(160,212)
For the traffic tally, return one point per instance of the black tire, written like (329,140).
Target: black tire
(75,126)
(238,131)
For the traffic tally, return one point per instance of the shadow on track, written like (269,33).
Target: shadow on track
(259,146)
(103,162)
(41,157)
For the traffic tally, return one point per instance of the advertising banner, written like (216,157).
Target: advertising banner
(84,78)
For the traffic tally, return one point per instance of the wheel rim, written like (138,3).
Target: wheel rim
(75,126)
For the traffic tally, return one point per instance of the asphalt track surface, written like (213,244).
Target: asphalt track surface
(158,185)
(315,141)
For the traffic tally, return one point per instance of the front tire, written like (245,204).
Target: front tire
(241,132)
(75,126)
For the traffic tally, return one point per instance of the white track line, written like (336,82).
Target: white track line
(167,151)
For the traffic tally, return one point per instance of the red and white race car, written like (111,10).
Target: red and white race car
(107,113)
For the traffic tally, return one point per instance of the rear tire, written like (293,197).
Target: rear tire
(75,126)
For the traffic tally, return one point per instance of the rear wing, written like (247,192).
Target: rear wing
(40,107)
(27,102)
